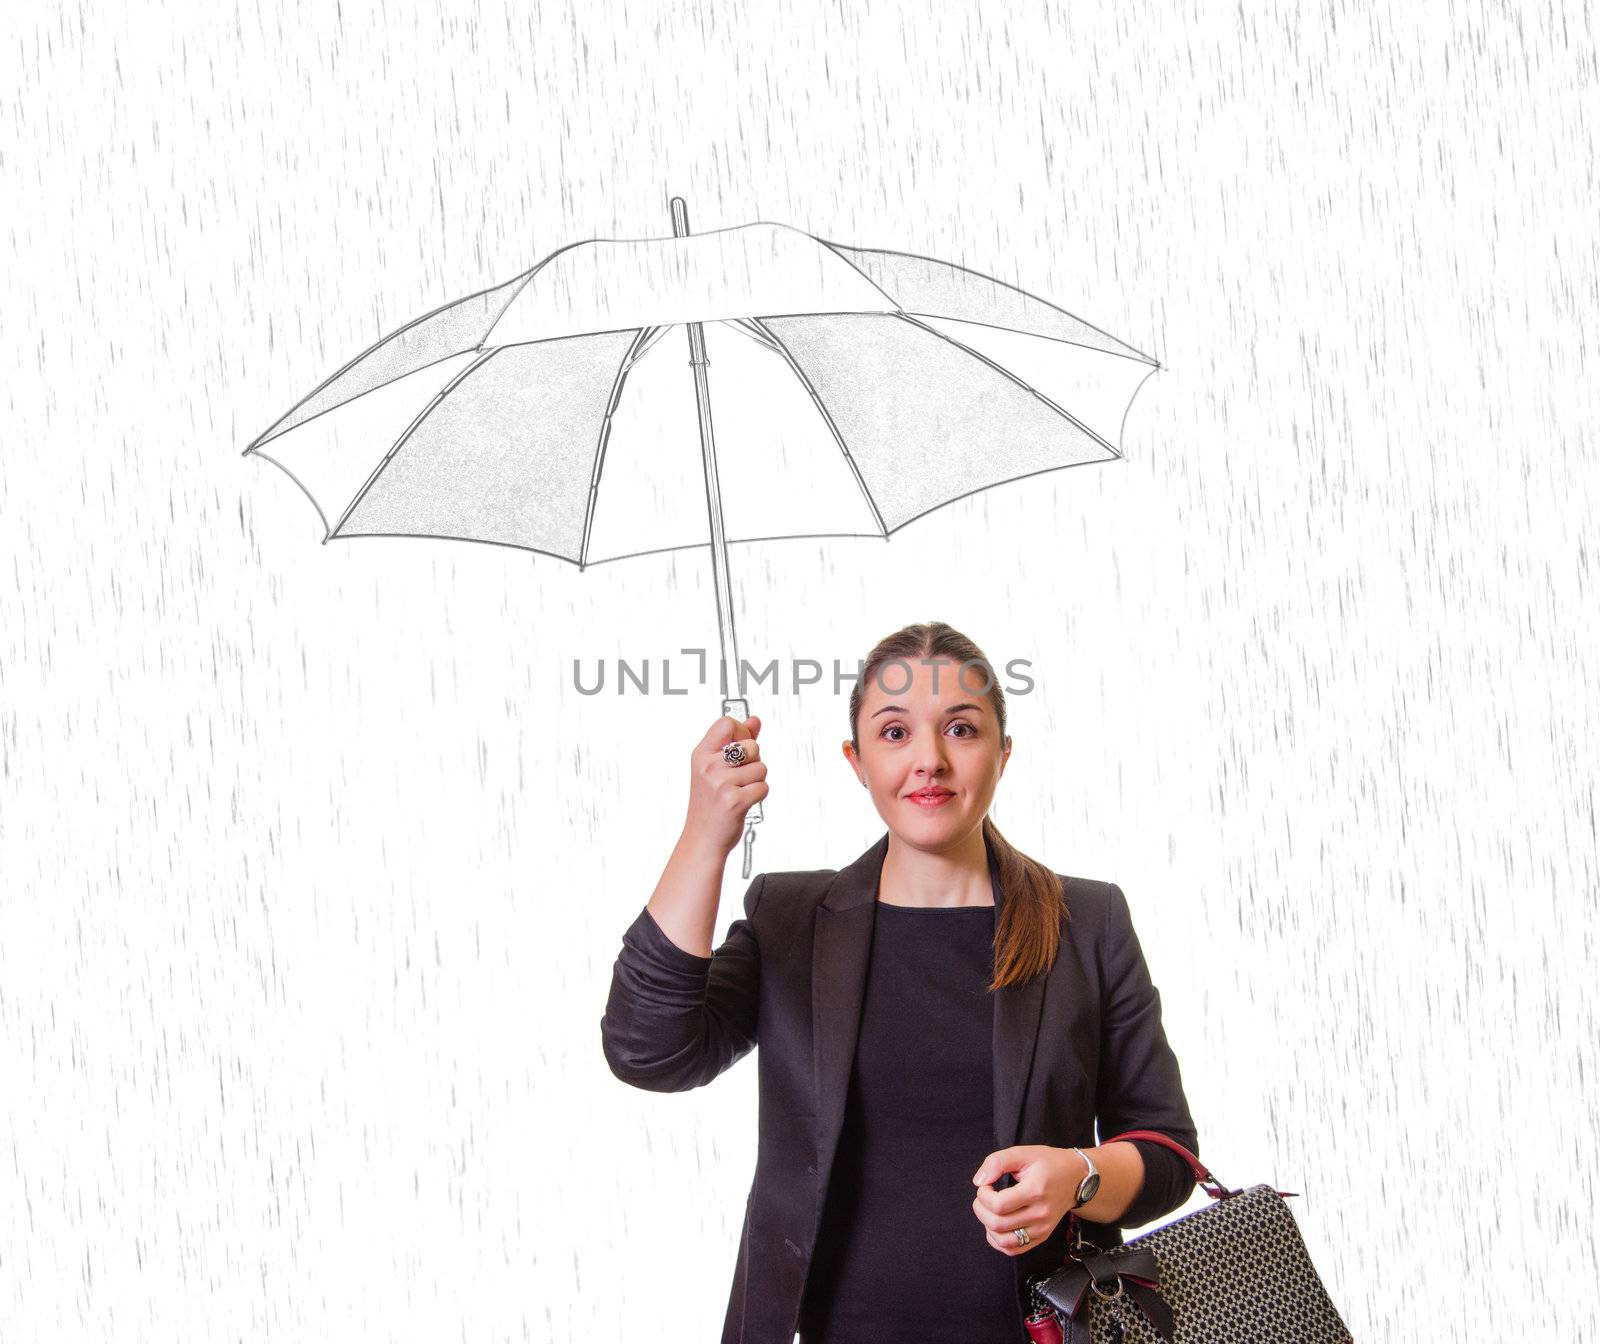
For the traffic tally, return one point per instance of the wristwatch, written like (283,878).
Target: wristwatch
(1089,1184)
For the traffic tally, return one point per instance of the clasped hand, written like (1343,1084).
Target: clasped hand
(1047,1181)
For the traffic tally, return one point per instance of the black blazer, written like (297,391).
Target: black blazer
(1080,1045)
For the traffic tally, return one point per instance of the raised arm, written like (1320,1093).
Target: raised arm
(675,1020)
(678,1014)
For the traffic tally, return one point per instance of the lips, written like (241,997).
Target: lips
(930,797)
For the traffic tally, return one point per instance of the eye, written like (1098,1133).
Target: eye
(900,728)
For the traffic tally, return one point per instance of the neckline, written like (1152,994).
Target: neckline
(934,909)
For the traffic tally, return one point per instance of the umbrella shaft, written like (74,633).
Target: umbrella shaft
(719,542)
(732,683)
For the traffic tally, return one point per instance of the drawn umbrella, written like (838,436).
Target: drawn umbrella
(857,389)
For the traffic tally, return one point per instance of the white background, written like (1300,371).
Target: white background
(314,862)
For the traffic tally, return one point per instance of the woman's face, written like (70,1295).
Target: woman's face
(939,733)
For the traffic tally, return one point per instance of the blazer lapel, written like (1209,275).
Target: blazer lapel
(1017,1010)
(841,948)
(840,945)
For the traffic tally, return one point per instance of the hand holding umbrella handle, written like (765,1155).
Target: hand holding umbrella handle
(740,709)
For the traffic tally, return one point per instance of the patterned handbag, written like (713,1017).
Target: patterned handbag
(1236,1272)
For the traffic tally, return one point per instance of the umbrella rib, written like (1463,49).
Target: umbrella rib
(255,450)
(373,349)
(411,429)
(1000,369)
(745,325)
(990,485)
(838,438)
(641,343)
(526,281)
(894,303)
(995,280)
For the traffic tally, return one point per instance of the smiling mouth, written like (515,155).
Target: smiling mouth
(931,796)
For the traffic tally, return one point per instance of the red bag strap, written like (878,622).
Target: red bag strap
(1202,1176)
(1202,1173)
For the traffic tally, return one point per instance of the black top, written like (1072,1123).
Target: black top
(900,1253)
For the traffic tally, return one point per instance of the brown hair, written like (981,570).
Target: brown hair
(1029,933)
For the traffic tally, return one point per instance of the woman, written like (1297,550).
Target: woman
(941,1023)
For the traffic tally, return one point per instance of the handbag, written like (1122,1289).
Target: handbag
(1235,1272)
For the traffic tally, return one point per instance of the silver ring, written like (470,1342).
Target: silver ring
(733,754)
(1021,1234)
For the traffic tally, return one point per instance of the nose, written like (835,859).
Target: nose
(931,761)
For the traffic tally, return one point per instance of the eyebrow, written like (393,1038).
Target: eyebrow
(901,709)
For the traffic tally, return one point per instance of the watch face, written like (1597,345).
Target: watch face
(1089,1188)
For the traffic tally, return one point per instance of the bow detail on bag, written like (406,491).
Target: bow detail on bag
(1119,1274)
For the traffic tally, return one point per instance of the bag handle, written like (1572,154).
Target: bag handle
(1202,1174)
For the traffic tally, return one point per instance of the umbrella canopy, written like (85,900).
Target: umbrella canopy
(859,389)
(855,390)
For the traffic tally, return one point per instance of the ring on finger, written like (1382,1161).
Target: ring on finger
(733,753)
(1021,1234)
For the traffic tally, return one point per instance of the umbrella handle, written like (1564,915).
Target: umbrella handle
(749,844)
(740,709)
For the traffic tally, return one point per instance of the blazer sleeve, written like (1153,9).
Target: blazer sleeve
(1139,1084)
(674,1020)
